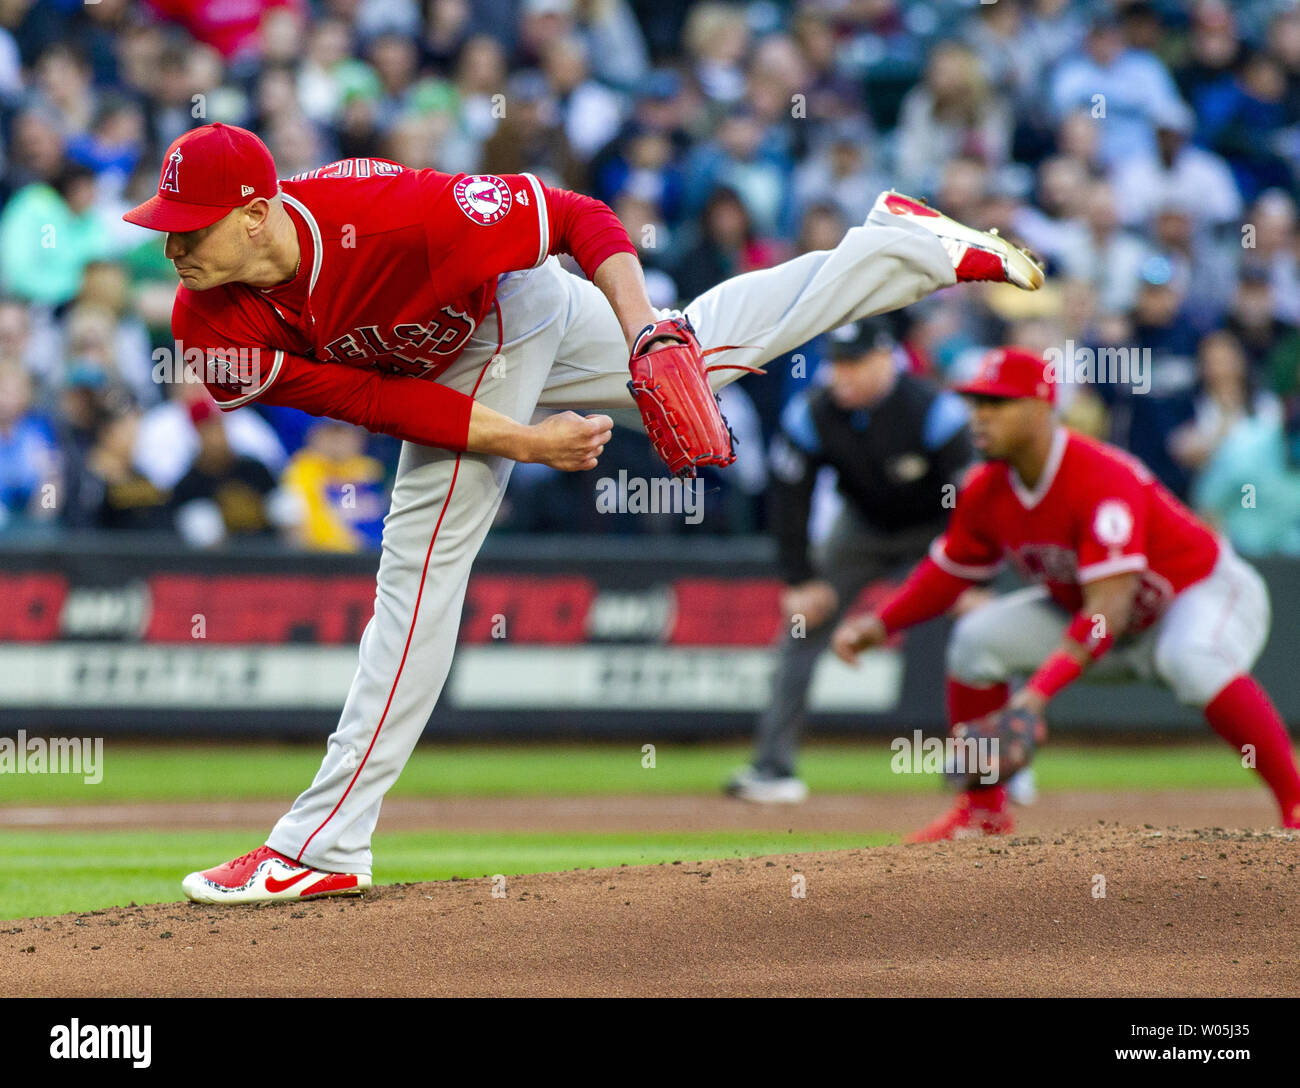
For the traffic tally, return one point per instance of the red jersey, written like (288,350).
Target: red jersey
(229,26)
(398,269)
(1095,512)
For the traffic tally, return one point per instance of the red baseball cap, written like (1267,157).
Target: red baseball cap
(205,173)
(1012,373)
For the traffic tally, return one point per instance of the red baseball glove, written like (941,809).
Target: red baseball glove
(1010,738)
(679,409)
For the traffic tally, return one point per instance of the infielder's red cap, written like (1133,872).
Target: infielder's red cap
(1012,373)
(205,173)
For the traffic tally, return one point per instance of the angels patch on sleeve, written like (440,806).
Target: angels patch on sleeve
(484,198)
(1112,524)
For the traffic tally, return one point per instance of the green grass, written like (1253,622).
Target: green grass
(194,772)
(43,873)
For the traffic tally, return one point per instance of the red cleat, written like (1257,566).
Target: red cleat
(964,821)
(264,876)
(976,254)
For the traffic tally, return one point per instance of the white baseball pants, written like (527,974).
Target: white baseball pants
(1211,633)
(562,348)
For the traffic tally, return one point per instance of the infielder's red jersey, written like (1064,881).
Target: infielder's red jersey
(1095,512)
(398,269)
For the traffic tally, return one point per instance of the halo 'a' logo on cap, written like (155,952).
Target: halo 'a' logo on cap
(171,182)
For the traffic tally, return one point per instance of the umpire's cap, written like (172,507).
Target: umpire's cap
(855,339)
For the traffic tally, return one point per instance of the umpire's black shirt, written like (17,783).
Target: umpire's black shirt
(891,459)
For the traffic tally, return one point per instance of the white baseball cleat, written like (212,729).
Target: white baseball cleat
(265,876)
(977,255)
(762,788)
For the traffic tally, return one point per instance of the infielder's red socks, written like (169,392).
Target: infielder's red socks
(966,703)
(1242,714)
(989,798)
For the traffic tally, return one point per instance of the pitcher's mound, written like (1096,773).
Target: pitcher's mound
(1108,911)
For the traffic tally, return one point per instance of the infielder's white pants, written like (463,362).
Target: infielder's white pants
(562,349)
(1211,633)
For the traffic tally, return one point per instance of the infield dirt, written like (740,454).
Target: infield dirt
(1208,912)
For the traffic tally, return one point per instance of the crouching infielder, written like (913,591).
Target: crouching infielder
(1129,585)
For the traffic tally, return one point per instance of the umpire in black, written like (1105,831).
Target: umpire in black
(894,441)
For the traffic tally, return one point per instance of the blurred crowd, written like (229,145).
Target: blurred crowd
(1148,151)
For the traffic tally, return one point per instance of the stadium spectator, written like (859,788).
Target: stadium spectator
(1270,243)
(113,147)
(480,75)
(750,158)
(106,491)
(717,38)
(531,137)
(591,112)
(28,455)
(338,488)
(1253,319)
(48,234)
(761,129)
(953,113)
(233,30)
(840,171)
(167,441)
(223,494)
(728,243)
(1228,394)
(1180,172)
(1284,45)
(1215,52)
(1099,251)
(1120,87)
(1243,121)
(829,94)
(1208,270)
(1236,443)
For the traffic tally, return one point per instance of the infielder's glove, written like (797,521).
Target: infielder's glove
(1007,737)
(671,388)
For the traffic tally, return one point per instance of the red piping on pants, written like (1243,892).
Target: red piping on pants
(410,633)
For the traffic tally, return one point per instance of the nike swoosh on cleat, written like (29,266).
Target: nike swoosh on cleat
(276,886)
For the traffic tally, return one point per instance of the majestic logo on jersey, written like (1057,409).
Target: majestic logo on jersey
(1113,523)
(484,198)
(170,182)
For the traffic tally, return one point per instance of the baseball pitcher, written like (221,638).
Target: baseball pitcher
(1129,585)
(432,307)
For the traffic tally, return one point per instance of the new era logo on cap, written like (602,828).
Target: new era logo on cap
(207,172)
